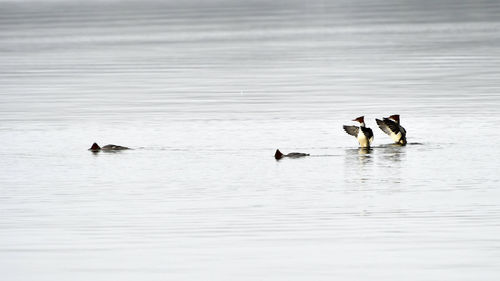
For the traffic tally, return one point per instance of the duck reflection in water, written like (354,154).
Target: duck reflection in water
(393,152)
(363,155)
(359,165)
(364,151)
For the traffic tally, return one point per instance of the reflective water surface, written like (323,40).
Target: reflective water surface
(205,92)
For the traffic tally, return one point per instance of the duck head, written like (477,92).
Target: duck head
(395,117)
(361,120)
(95,147)
(278,155)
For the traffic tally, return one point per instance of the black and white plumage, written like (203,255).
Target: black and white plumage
(391,126)
(362,133)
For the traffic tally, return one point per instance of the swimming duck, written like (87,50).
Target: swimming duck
(110,147)
(278,155)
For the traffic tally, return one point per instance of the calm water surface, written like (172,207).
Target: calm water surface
(205,92)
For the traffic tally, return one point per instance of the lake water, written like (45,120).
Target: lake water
(205,92)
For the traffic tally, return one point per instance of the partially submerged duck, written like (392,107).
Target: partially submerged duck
(278,155)
(362,133)
(391,126)
(110,147)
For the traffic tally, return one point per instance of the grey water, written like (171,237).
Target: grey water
(205,92)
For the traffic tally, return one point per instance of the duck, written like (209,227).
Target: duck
(278,155)
(392,127)
(109,147)
(362,133)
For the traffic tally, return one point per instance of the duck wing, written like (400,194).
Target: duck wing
(393,126)
(368,133)
(351,130)
(403,131)
(383,127)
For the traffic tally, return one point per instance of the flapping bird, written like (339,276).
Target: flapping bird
(392,127)
(362,133)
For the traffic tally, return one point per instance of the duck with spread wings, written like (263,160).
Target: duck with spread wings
(392,127)
(362,133)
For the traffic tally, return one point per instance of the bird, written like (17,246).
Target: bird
(392,127)
(278,155)
(110,147)
(362,133)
